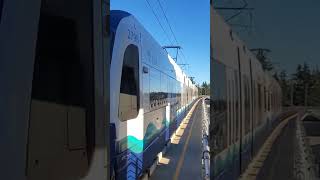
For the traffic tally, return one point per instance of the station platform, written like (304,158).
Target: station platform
(182,159)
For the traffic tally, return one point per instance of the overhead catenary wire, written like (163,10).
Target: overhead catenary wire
(174,36)
(182,56)
(170,27)
(158,21)
(165,16)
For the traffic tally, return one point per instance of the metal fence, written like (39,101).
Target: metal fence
(205,141)
(304,161)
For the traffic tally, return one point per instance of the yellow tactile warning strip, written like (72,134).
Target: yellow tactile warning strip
(254,167)
(185,120)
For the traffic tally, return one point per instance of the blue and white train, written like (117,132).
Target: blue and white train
(246,102)
(149,96)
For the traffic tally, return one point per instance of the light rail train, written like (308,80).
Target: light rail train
(149,96)
(246,102)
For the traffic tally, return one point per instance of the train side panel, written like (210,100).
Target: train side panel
(242,102)
(164,97)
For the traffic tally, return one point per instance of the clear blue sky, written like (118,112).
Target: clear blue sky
(190,22)
(290,28)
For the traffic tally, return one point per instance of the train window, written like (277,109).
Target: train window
(218,120)
(57,70)
(172,90)
(129,89)
(164,87)
(178,93)
(155,88)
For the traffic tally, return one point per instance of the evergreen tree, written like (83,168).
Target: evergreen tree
(306,85)
(298,78)
(192,80)
(285,86)
(205,89)
(314,89)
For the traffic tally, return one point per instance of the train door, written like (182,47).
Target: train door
(58,111)
(237,123)
(130,130)
(170,101)
(218,114)
(252,108)
(49,122)
(246,121)
(234,121)
(229,124)
(255,116)
(165,80)
(18,33)
(241,127)
(60,102)
(62,132)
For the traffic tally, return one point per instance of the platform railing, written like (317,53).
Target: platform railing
(304,160)
(205,142)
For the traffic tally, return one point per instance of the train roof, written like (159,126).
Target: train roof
(118,15)
(227,40)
